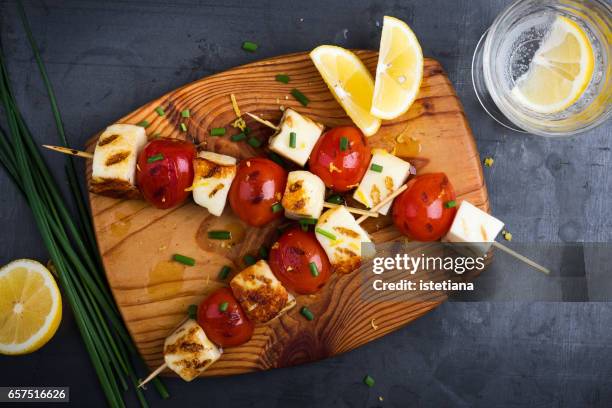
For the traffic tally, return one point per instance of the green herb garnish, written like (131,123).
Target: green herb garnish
(253,141)
(154,158)
(223,307)
(239,137)
(307,313)
(183,127)
(450,204)
(185,260)
(224,272)
(292,140)
(222,235)
(343,143)
(249,46)
(185,113)
(314,271)
(192,312)
(143,123)
(368,380)
(249,260)
(217,131)
(300,97)
(160,111)
(276,207)
(325,233)
(283,78)
(376,167)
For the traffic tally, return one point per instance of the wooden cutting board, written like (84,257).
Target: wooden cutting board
(137,241)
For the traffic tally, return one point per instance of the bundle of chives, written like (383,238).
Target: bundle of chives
(72,249)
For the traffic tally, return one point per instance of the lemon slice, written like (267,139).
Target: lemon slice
(30,307)
(399,72)
(350,82)
(560,71)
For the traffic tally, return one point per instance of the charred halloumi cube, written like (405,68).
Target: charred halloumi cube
(304,195)
(475,228)
(114,163)
(260,293)
(296,137)
(341,238)
(213,176)
(188,352)
(386,173)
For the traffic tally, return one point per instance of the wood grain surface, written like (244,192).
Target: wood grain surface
(137,241)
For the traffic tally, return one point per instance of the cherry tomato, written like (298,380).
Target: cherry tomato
(259,184)
(290,259)
(223,320)
(340,170)
(165,170)
(421,212)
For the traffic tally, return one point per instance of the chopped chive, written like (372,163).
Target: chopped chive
(276,159)
(247,130)
(335,199)
(156,157)
(249,260)
(314,271)
(185,260)
(183,127)
(249,46)
(253,141)
(186,113)
(306,313)
(325,233)
(276,207)
(450,204)
(160,111)
(143,123)
(292,140)
(301,98)
(223,306)
(217,131)
(192,311)
(224,272)
(308,221)
(263,252)
(304,227)
(283,78)
(239,137)
(376,167)
(343,143)
(223,235)
(368,380)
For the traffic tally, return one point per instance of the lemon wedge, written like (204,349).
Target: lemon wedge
(399,71)
(560,71)
(30,307)
(350,82)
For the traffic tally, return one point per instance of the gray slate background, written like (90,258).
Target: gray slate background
(107,58)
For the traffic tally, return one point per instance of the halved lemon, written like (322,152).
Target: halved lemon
(350,82)
(30,307)
(560,71)
(399,71)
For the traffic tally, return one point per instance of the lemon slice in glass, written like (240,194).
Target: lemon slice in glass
(30,307)
(560,71)
(399,72)
(350,82)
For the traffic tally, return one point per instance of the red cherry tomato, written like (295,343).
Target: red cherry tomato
(290,259)
(420,212)
(340,170)
(223,320)
(165,170)
(259,184)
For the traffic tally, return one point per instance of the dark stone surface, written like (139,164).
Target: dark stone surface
(108,58)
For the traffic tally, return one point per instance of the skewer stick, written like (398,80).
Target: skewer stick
(384,202)
(351,209)
(263,121)
(153,375)
(71,152)
(522,258)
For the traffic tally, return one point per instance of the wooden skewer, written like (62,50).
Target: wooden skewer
(72,152)
(153,375)
(263,121)
(384,202)
(351,209)
(522,258)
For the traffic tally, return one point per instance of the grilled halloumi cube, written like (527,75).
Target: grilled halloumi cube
(260,293)
(213,176)
(475,228)
(386,173)
(114,163)
(341,238)
(304,195)
(188,352)
(307,132)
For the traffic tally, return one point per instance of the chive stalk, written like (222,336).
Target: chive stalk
(376,167)
(143,123)
(221,235)
(249,46)
(192,311)
(239,137)
(160,111)
(223,274)
(300,97)
(304,311)
(249,260)
(292,140)
(185,260)
(223,307)
(325,233)
(282,78)
(253,141)
(155,157)
(314,271)
(185,113)
(220,131)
